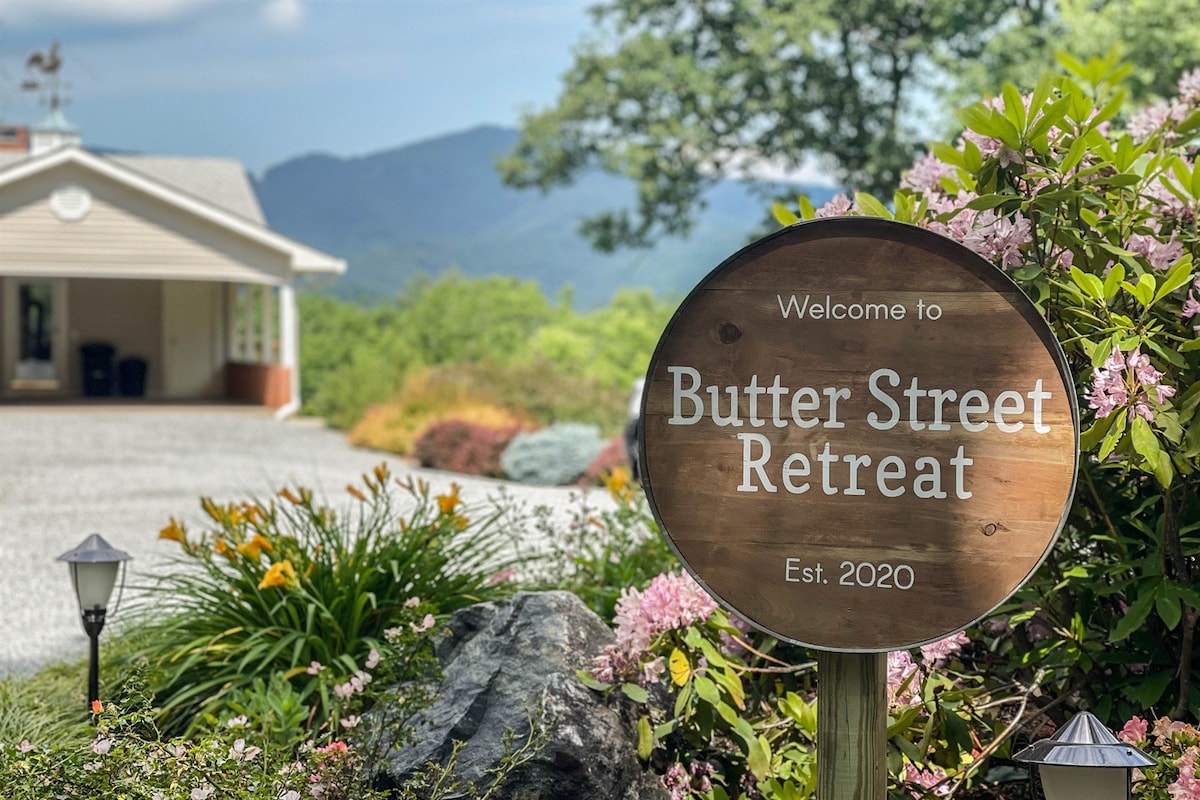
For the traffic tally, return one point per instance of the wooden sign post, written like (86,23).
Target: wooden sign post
(859,436)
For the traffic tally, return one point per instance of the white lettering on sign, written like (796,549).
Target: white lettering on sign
(864,574)
(826,308)
(903,402)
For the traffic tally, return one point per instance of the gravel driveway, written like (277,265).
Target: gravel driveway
(66,472)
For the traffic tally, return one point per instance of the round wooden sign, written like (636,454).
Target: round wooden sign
(859,435)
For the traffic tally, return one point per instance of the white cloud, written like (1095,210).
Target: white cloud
(18,12)
(284,14)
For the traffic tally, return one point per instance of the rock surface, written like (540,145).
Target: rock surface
(502,662)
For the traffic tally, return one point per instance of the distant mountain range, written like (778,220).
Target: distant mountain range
(428,206)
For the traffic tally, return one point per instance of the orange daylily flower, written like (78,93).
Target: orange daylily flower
(174,532)
(287,494)
(222,547)
(97,707)
(281,573)
(448,502)
(255,547)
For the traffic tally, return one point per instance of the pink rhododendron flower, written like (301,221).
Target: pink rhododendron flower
(926,175)
(1191,306)
(1189,87)
(999,239)
(1125,382)
(1134,730)
(903,679)
(837,206)
(931,777)
(937,652)
(1186,786)
(669,602)
(1161,255)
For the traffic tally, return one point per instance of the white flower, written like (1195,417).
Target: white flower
(101,746)
(24,746)
(237,722)
(351,721)
(290,794)
(202,792)
(92,766)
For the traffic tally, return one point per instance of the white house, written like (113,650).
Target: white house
(112,263)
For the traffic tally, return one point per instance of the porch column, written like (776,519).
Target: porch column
(233,320)
(267,333)
(289,343)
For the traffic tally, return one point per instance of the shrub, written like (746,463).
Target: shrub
(277,586)
(1095,217)
(461,446)
(604,553)
(610,458)
(553,456)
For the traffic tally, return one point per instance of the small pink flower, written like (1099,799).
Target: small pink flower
(351,722)
(426,623)
(372,658)
(240,752)
(314,668)
(412,602)
(24,746)
(1134,730)
(344,690)
(101,746)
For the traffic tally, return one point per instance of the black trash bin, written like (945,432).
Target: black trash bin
(131,377)
(99,377)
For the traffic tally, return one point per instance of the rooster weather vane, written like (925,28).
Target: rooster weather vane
(43,75)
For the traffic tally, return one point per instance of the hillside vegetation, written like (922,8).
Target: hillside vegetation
(460,341)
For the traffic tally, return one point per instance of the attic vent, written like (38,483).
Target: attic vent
(70,202)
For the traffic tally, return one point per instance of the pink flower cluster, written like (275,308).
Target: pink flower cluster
(997,238)
(932,777)
(669,602)
(684,783)
(1126,382)
(1160,254)
(904,676)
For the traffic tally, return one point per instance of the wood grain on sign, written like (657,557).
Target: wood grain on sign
(922,513)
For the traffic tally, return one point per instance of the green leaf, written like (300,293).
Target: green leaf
(1051,116)
(806,207)
(948,154)
(987,201)
(707,690)
(1113,437)
(1014,106)
(869,205)
(1144,440)
(635,693)
(1189,345)
(1143,290)
(758,757)
(588,680)
(783,215)
(1092,286)
(1093,435)
(1134,616)
(1179,274)
(1074,154)
(1149,690)
(1169,609)
(1112,281)
(645,744)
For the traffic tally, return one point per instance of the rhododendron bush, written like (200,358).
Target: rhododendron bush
(1092,209)
(725,712)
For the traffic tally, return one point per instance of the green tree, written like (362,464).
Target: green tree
(675,94)
(460,319)
(1159,39)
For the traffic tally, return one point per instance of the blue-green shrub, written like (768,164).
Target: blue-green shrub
(553,456)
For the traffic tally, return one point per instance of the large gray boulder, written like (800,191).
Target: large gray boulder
(502,662)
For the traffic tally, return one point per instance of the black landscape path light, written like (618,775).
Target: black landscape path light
(94,567)
(1085,761)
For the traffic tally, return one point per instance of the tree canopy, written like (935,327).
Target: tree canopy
(676,94)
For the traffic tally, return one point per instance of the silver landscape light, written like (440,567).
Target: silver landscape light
(1085,761)
(94,566)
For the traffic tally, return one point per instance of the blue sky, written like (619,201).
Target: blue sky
(264,80)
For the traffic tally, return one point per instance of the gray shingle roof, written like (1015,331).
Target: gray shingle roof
(220,181)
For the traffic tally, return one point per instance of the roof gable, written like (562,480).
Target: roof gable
(150,180)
